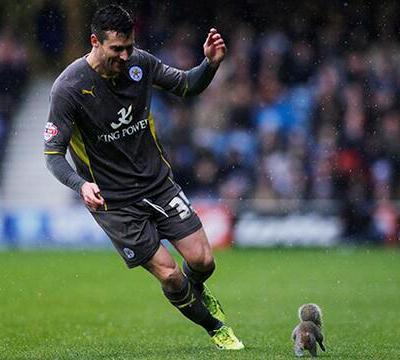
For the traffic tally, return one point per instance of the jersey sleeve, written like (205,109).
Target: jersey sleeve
(167,77)
(58,129)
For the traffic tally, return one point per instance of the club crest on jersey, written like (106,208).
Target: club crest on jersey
(50,131)
(136,73)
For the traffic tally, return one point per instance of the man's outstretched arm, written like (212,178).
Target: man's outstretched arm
(193,81)
(201,76)
(198,78)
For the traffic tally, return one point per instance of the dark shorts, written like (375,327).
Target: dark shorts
(136,230)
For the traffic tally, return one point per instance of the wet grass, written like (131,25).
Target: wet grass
(86,305)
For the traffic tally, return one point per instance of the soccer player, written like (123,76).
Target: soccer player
(100,109)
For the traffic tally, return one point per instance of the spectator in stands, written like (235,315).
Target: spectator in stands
(13,75)
(50,28)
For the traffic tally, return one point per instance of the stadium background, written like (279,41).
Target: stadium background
(300,127)
(296,142)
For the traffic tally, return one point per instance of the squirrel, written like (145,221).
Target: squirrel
(308,333)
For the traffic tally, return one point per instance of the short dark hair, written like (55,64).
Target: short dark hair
(111,18)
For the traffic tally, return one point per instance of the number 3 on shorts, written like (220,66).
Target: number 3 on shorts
(182,205)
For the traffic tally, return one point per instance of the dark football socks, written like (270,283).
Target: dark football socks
(197,278)
(188,302)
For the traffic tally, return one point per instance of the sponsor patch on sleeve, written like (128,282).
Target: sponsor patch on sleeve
(50,131)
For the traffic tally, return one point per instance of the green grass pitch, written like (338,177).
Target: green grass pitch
(86,305)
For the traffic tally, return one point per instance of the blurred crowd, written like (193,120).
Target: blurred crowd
(48,35)
(305,110)
(13,77)
(305,106)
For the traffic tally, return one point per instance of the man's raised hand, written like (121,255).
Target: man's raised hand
(214,47)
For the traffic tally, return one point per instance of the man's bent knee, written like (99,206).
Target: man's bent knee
(202,263)
(171,278)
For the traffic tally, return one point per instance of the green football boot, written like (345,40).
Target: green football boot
(212,304)
(225,339)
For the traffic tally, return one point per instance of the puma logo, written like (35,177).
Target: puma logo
(88,92)
(125,117)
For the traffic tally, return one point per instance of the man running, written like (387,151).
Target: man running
(100,110)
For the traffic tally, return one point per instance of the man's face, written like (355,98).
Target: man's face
(114,51)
